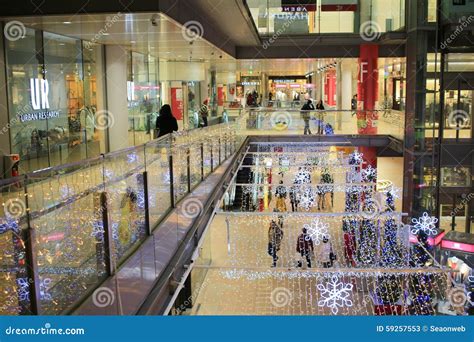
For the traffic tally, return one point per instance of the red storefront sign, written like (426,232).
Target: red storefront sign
(338,8)
(177,103)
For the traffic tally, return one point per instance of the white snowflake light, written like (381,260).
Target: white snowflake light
(356,158)
(303,177)
(425,223)
(369,174)
(317,230)
(307,199)
(335,295)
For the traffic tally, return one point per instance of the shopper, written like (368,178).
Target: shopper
(166,123)
(305,247)
(321,125)
(326,255)
(204,113)
(294,197)
(281,194)
(275,236)
(354,104)
(306,113)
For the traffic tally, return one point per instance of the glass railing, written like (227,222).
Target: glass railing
(291,121)
(367,17)
(64,230)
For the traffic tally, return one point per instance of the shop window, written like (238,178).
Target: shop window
(455,177)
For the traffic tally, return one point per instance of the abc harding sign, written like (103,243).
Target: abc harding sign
(39,92)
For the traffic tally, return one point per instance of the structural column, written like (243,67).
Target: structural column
(116,71)
(367,94)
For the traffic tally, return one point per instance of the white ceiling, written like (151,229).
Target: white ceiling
(164,39)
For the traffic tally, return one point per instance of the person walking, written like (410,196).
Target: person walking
(166,123)
(326,255)
(294,200)
(281,195)
(204,113)
(275,236)
(306,113)
(304,246)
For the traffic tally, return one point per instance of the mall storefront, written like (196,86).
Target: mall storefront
(58,105)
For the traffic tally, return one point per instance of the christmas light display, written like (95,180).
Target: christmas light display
(426,224)
(335,294)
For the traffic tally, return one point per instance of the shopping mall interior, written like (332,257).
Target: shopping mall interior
(322,162)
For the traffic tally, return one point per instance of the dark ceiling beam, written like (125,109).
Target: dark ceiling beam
(314,51)
(181,11)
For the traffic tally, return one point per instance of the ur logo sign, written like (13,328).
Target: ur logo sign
(39,89)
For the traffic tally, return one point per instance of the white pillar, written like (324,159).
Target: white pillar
(117,106)
(346,90)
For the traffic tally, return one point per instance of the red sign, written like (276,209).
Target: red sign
(177,103)
(338,8)
(458,246)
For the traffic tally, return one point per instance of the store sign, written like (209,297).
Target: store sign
(39,90)
(299,8)
(39,97)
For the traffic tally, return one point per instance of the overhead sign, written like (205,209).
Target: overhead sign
(338,5)
(298,6)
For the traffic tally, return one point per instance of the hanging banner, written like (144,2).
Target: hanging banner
(177,103)
(220,96)
(339,5)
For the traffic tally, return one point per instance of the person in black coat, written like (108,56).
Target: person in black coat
(166,122)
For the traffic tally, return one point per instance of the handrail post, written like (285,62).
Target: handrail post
(188,167)
(212,156)
(170,161)
(202,161)
(108,236)
(220,157)
(147,203)
(30,259)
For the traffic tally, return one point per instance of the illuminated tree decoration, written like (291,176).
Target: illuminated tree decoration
(356,158)
(426,224)
(335,295)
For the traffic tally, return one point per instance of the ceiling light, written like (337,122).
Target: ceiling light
(67,22)
(132,42)
(106,34)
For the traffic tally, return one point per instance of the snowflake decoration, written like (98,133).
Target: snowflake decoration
(317,230)
(307,199)
(369,174)
(98,230)
(132,158)
(303,177)
(395,192)
(425,223)
(356,158)
(335,295)
(9,225)
(23,289)
(45,285)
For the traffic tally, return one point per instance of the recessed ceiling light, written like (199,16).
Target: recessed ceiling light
(105,34)
(132,42)
(67,22)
